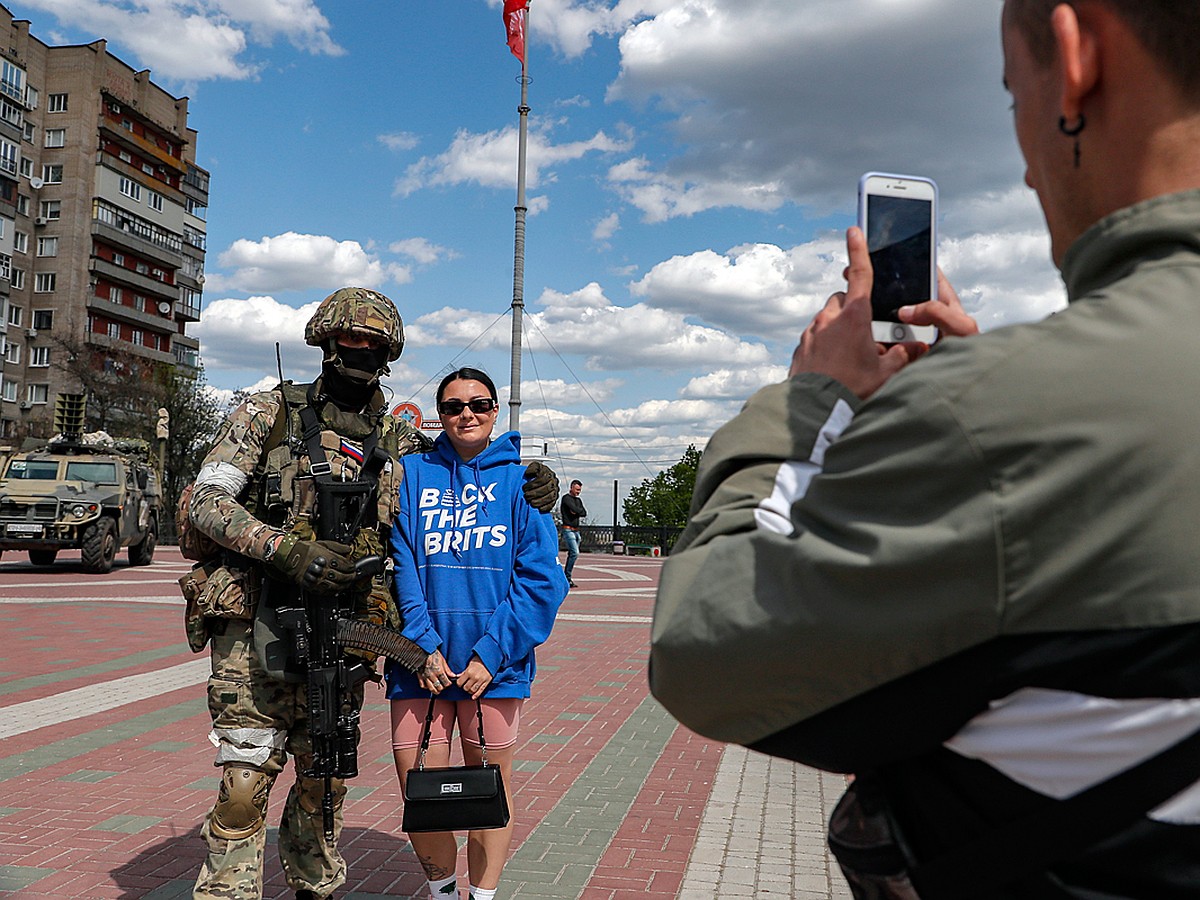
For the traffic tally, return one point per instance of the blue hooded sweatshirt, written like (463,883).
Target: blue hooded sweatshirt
(477,567)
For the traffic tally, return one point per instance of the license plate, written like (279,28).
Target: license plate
(22,528)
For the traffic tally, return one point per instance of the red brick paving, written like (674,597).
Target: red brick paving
(54,826)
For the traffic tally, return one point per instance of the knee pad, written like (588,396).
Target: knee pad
(310,791)
(241,808)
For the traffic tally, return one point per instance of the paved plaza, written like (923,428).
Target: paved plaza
(106,769)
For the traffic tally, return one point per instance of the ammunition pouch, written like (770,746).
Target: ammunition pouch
(216,590)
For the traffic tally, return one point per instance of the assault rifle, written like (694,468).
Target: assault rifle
(323,628)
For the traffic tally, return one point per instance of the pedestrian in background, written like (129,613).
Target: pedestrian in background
(478,585)
(572,511)
(972,579)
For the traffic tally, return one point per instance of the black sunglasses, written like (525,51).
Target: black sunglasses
(479,406)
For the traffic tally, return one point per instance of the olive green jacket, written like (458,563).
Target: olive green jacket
(1039,478)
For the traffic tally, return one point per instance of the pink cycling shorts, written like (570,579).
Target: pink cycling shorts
(501,719)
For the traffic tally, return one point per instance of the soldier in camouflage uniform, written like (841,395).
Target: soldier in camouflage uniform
(255,496)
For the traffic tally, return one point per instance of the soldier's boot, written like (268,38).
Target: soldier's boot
(236,834)
(310,863)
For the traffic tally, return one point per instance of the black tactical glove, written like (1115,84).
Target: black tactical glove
(323,567)
(540,487)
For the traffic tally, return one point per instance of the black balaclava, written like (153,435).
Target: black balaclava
(352,373)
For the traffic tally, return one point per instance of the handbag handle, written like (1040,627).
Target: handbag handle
(429,726)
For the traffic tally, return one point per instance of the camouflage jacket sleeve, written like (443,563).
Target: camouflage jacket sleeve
(227,472)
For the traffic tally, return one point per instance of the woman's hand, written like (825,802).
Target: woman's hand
(475,678)
(436,676)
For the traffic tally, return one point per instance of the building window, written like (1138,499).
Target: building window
(5,266)
(52,174)
(15,313)
(141,268)
(135,337)
(130,188)
(44,282)
(12,80)
(114,294)
(139,302)
(32,96)
(23,204)
(18,279)
(47,246)
(21,242)
(56,103)
(125,156)
(37,393)
(197,209)
(50,209)
(56,137)
(10,392)
(155,199)
(12,353)
(43,319)
(11,114)
(39,357)
(10,155)
(114,331)
(26,167)
(28,131)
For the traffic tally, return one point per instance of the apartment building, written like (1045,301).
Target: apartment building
(102,219)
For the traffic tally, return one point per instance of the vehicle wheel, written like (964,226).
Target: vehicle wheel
(42,557)
(99,546)
(142,553)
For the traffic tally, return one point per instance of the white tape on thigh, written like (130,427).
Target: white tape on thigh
(252,746)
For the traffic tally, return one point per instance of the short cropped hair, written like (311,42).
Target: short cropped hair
(1169,29)
(576,482)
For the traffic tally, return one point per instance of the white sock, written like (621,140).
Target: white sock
(482,893)
(444,888)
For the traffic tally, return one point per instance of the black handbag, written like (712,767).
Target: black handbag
(453,798)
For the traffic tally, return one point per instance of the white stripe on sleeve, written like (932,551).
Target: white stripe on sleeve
(774,513)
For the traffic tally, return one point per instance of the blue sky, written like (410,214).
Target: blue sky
(692,166)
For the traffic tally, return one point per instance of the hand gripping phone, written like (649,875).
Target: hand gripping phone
(898,215)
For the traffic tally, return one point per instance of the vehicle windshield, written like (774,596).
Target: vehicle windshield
(99,472)
(33,469)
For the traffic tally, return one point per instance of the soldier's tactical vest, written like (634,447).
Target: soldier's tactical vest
(283,487)
(283,493)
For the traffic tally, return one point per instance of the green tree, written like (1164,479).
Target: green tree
(195,416)
(664,500)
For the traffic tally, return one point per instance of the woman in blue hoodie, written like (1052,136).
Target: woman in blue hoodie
(478,585)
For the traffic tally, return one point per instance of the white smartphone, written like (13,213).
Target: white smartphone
(898,215)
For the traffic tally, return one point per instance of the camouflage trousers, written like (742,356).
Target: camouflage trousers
(258,721)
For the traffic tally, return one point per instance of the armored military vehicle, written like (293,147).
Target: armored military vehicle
(86,492)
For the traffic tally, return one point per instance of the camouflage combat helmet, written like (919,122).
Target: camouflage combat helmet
(360,311)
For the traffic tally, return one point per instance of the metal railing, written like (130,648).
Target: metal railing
(600,538)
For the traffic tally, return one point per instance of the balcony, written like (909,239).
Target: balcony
(104,341)
(141,145)
(147,320)
(121,227)
(188,312)
(143,284)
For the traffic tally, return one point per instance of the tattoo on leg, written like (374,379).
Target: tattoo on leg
(434,872)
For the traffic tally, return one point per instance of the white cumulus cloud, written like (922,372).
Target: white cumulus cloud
(292,261)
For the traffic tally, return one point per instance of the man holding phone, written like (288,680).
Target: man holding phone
(969,575)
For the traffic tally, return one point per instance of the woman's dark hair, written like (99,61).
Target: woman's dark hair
(467,374)
(1167,28)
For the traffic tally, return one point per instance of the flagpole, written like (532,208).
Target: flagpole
(518,301)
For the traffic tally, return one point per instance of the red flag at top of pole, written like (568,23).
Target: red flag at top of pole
(514,25)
